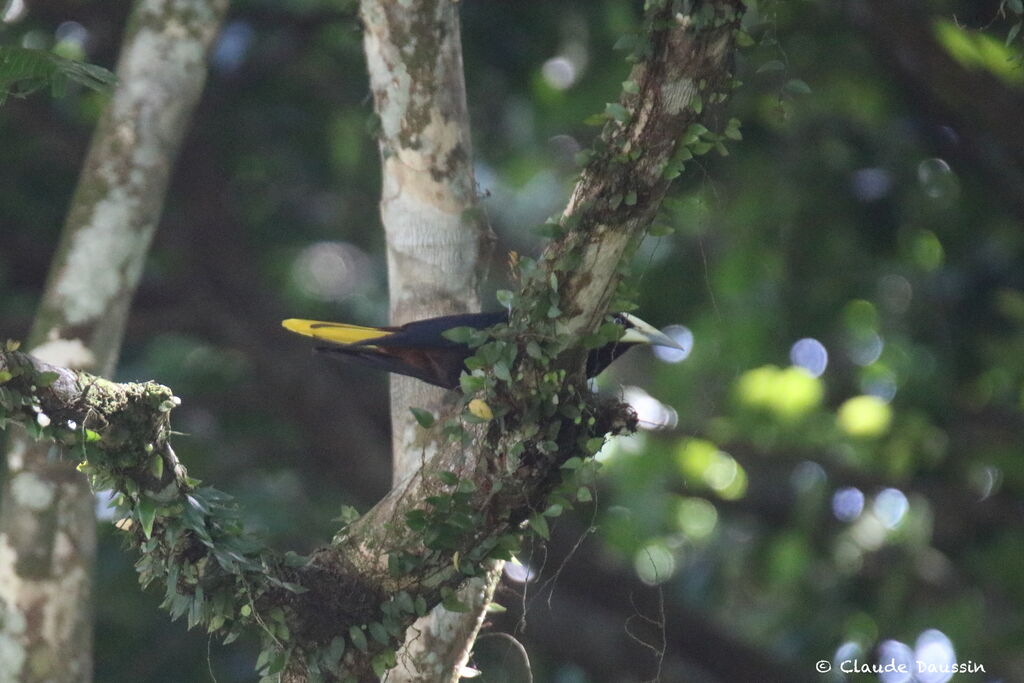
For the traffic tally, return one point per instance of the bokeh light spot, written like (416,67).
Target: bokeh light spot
(895,293)
(938,180)
(697,518)
(927,250)
(808,476)
(891,507)
(809,354)
(864,348)
(864,416)
(13,12)
(682,336)
(702,461)
(871,184)
(847,503)
(789,393)
(105,509)
(652,413)
(935,657)
(879,381)
(71,38)
(559,72)
(897,661)
(232,46)
(331,271)
(654,564)
(519,572)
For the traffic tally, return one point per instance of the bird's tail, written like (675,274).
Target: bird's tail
(335,333)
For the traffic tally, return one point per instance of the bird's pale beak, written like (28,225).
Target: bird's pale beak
(640,332)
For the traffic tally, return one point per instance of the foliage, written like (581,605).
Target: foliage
(856,215)
(23,71)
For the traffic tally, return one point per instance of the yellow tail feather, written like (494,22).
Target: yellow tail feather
(336,333)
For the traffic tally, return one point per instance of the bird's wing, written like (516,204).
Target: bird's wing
(429,333)
(335,333)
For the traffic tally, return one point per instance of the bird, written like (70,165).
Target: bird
(419,349)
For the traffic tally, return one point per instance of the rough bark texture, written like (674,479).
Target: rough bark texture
(47,532)
(428,194)
(434,239)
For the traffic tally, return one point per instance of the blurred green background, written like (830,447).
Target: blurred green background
(833,470)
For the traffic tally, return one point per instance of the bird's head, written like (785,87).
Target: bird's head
(640,332)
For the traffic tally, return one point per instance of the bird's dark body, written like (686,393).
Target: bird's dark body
(419,349)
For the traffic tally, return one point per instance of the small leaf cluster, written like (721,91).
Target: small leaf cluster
(698,141)
(24,71)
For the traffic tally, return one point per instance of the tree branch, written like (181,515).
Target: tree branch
(49,538)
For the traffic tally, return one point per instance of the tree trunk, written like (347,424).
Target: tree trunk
(435,235)
(47,527)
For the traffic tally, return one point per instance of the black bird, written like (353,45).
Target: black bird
(419,349)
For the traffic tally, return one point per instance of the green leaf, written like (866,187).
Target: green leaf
(277,664)
(660,230)
(1012,35)
(795,86)
(540,525)
(416,520)
(448,478)
(379,633)
(459,335)
(1017,6)
(502,372)
(347,515)
(553,510)
(505,297)
(773,65)
(336,649)
(693,133)
(147,515)
(382,662)
(156,466)
(630,87)
(45,379)
(91,436)
(628,41)
(617,112)
(5,376)
(358,638)
(25,70)
(452,603)
(293,559)
(583,495)
(425,418)
(470,384)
